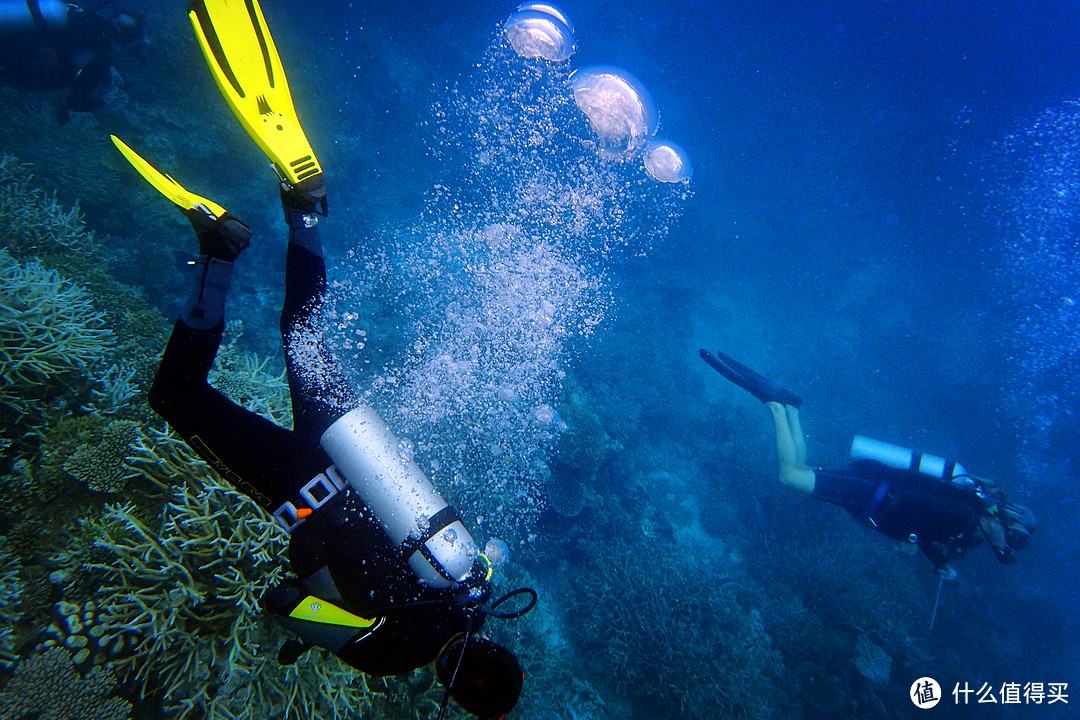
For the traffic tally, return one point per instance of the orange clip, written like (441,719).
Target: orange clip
(302,513)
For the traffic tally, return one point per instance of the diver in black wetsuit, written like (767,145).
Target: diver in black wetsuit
(51,44)
(357,594)
(902,494)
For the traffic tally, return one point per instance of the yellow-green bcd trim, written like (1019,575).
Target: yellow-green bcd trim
(318,610)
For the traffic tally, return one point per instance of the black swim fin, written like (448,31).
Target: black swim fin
(757,385)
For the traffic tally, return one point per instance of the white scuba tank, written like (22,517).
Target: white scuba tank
(399,495)
(864,448)
(26,17)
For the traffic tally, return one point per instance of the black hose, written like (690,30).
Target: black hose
(492,612)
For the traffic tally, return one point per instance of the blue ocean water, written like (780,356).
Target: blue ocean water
(882,217)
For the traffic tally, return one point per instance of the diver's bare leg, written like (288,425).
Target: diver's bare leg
(791,449)
(797,435)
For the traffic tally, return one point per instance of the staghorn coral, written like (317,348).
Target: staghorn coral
(49,333)
(47,687)
(100,465)
(116,390)
(180,594)
(33,221)
(10,595)
(246,379)
(34,226)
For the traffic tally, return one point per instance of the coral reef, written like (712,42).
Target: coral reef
(10,594)
(681,641)
(78,628)
(178,607)
(46,686)
(49,334)
(872,662)
(100,465)
(33,221)
(247,380)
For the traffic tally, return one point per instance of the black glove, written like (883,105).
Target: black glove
(222,238)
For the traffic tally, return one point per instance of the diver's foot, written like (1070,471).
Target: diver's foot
(222,238)
(760,387)
(306,198)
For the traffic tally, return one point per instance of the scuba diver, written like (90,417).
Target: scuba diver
(387,576)
(903,494)
(53,44)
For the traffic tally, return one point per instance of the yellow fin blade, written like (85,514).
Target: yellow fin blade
(244,61)
(164,184)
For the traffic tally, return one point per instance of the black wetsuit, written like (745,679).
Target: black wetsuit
(367,574)
(941,517)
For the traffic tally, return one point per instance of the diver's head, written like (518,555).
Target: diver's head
(1007,527)
(483,677)
(1018,522)
(130,27)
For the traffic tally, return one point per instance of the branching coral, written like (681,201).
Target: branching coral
(49,330)
(32,219)
(100,465)
(47,687)
(248,380)
(10,593)
(185,587)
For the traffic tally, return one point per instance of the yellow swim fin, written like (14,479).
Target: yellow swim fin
(164,184)
(244,62)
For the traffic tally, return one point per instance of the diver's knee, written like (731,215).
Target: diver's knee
(800,478)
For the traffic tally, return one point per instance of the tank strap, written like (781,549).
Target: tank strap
(317,492)
(34,7)
(435,524)
(875,502)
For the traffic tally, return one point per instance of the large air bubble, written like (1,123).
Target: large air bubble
(539,30)
(667,162)
(548,9)
(619,108)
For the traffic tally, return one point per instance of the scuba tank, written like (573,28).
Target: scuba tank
(894,456)
(413,514)
(27,17)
